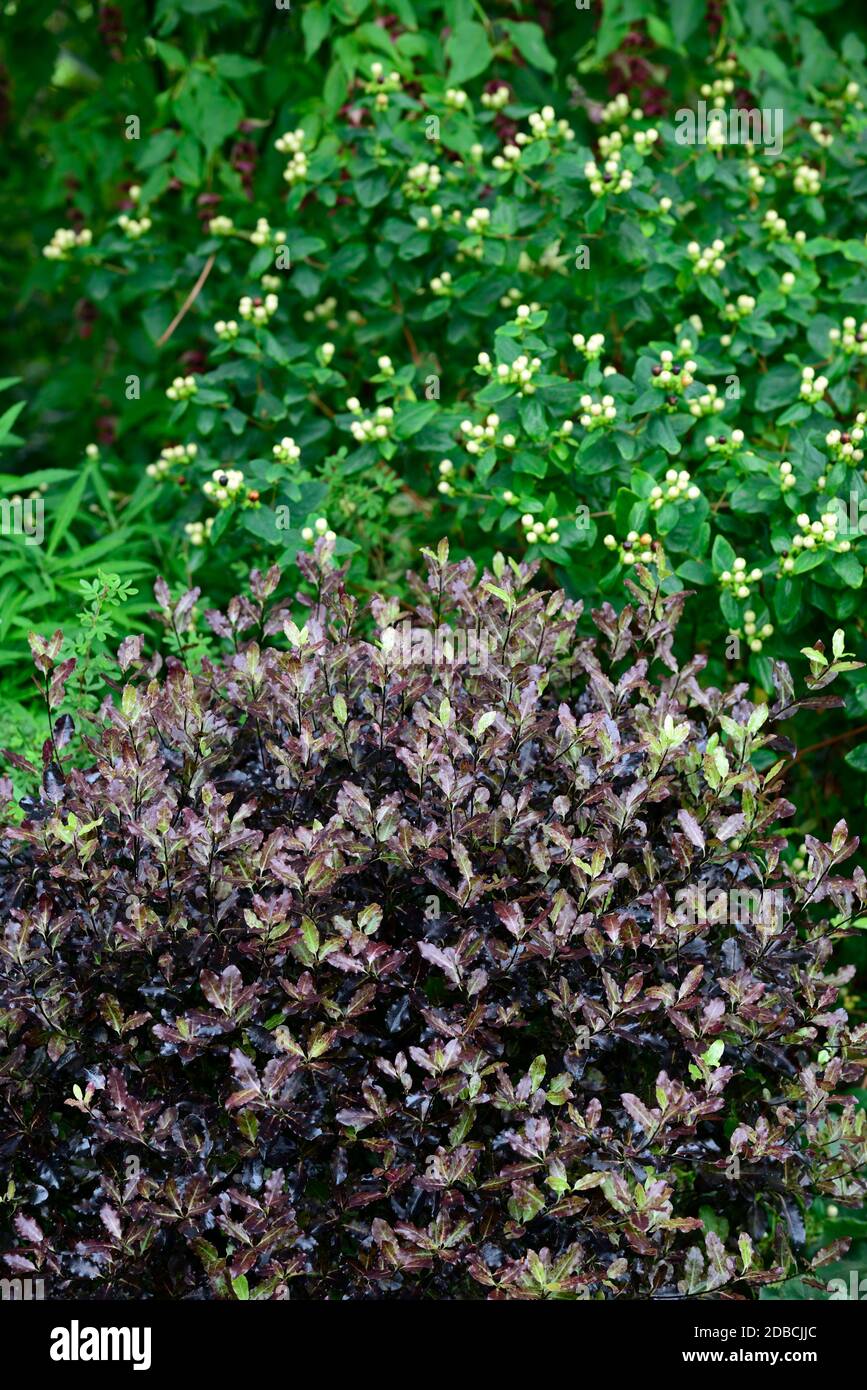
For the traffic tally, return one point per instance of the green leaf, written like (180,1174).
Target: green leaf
(235,67)
(372,188)
(809,560)
(262,522)
(778,387)
(686,16)
(529,39)
(849,568)
(857,758)
(208,110)
(468,51)
(68,510)
(7,420)
(723,555)
(412,418)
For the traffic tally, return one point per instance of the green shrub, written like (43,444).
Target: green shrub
(422,205)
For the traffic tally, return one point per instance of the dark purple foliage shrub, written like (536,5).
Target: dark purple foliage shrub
(333,978)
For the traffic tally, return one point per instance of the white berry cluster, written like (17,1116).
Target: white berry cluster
(381,83)
(496,100)
(442,284)
(807,180)
(263,233)
(787,476)
(478,220)
(512,297)
(710,402)
(519,373)
(677,485)
(64,240)
(787,282)
(821,134)
(590,348)
(755,635)
(778,228)
(385,365)
(815,535)
(422,178)
(287,451)
(509,157)
(851,96)
(611,142)
(319,528)
(738,578)
(226,330)
(727,445)
(852,338)
(169,456)
(221,225)
(478,438)
(740,308)
(433,216)
(610,178)
(456,98)
(707,260)
(813,387)
(182,388)
(224,485)
(644,140)
(669,376)
(323,310)
(618,108)
(544,125)
(717,91)
(375,426)
(199,531)
(258,311)
(292,143)
(597,415)
(134,227)
(539,532)
(635,547)
(755,178)
(444,486)
(775,225)
(717,135)
(844,445)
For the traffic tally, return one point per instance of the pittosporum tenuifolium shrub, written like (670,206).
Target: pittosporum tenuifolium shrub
(397,967)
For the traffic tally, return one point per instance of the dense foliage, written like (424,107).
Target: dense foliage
(397,288)
(349,973)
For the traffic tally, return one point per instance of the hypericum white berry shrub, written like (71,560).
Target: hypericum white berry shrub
(541,325)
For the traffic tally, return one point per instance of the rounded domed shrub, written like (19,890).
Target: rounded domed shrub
(422,953)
